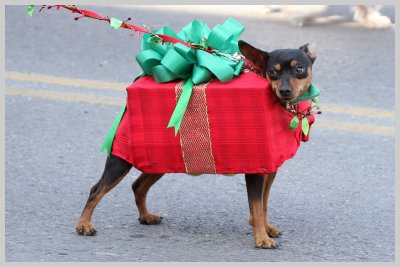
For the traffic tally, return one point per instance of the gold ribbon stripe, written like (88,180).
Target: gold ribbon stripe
(194,132)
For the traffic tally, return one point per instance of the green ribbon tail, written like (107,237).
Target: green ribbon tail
(177,115)
(108,141)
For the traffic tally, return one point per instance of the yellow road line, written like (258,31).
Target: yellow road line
(355,127)
(65,81)
(358,111)
(67,97)
(117,101)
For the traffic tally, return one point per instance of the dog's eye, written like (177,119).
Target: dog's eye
(299,69)
(272,72)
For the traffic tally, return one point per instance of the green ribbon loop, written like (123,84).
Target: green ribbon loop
(162,74)
(234,27)
(224,37)
(194,32)
(177,64)
(217,65)
(220,37)
(148,59)
(185,52)
(200,75)
(167,62)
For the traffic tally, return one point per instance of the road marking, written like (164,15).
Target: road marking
(67,97)
(97,84)
(118,101)
(65,81)
(355,127)
(358,111)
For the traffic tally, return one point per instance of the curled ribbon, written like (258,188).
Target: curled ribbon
(168,62)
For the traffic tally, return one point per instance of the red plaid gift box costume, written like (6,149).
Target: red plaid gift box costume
(234,127)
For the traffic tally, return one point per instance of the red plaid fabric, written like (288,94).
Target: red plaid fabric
(248,128)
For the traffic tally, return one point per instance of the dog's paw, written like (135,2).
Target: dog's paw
(85,228)
(266,242)
(150,219)
(272,231)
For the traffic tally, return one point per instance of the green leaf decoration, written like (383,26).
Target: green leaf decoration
(315,100)
(30,9)
(115,23)
(294,123)
(305,126)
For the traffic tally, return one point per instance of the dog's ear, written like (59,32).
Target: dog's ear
(309,52)
(253,54)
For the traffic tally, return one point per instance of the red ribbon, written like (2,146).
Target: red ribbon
(93,15)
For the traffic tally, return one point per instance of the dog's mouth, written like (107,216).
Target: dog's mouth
(287,99)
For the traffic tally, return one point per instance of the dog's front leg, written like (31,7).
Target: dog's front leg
(114,171)
(272,231)
(255,185)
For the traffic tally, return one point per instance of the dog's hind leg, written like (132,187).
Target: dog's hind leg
(114,171)
(255,185)
(140,188)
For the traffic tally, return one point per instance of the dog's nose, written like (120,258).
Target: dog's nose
(285,91)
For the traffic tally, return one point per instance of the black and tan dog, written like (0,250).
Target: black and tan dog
(289,72)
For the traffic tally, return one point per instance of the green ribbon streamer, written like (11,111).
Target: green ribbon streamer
(108,140)
(107,143)
(181,106)
(167,62)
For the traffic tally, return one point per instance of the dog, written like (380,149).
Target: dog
(289,72)
(368,16)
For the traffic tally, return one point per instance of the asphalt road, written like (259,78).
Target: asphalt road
(334,201)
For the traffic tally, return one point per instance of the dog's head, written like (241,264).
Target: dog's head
(289,71)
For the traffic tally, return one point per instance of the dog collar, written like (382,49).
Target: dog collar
(311,93)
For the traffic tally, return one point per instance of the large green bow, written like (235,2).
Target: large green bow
(217,56)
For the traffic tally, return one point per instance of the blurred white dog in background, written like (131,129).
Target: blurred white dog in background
(300,15)
(370,16)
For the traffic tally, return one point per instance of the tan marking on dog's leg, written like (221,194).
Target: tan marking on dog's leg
(255,187)
(140,188)
(84,225)
(271,230)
